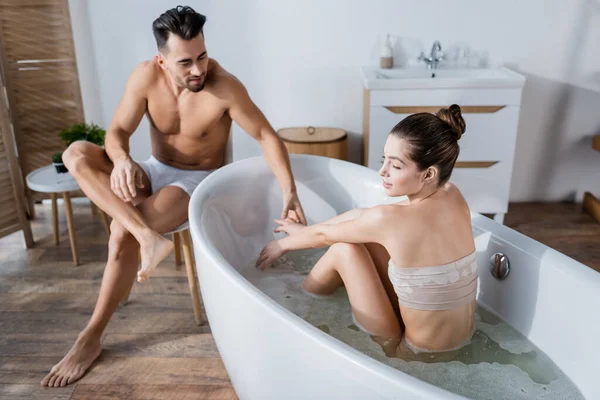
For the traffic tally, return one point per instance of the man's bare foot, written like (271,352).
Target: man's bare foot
(75,363)
(154,249)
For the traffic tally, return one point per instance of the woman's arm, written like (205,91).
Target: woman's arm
(292,227)
(365,228)
(347,216)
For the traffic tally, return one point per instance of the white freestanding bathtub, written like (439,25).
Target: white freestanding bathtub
(270,353)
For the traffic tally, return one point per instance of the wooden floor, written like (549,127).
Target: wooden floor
(562,226)
(152,347)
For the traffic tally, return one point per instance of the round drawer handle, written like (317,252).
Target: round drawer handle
(311,130)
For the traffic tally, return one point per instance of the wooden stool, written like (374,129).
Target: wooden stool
(327,142)
(47,180)
(181,239)
(591,203)
(104,216)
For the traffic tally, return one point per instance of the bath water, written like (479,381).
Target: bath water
(498,362)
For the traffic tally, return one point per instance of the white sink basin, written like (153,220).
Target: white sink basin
(422,78)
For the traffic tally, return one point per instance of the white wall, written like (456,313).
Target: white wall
(86,62)
(300,62)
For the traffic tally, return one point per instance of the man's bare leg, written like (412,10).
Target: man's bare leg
(90,166)
(166,210)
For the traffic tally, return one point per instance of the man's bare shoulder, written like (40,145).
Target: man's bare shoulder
(144,75)
(224,84)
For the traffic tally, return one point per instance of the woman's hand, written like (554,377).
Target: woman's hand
(269,254)
(289,226)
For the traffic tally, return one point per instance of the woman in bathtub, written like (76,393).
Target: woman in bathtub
(407,265)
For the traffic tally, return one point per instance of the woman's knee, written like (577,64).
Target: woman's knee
(79,154)
(345,250)
(351,255)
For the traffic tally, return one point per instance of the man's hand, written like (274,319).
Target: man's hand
(292,208)
(125,178)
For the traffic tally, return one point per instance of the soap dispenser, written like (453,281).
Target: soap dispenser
(387,54)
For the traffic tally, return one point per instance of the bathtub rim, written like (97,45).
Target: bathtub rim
(569,266)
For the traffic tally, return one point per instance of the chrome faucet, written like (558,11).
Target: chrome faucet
(435,57)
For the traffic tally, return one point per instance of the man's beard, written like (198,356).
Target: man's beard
(196,87)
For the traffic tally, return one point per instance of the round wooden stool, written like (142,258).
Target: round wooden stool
(327,142)
(47,180)
(182,239)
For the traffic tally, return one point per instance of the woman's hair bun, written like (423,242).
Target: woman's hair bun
(453,117)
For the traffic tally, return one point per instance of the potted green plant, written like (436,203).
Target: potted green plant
(80,131)
(58,163)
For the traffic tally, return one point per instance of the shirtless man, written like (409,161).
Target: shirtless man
(190,101)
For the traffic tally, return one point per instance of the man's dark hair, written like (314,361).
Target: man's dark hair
(182,21)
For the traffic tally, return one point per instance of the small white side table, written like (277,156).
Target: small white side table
(47,180)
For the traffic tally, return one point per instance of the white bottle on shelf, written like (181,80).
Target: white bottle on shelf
(387,53)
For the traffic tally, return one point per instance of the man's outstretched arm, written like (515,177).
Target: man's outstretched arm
(248,116)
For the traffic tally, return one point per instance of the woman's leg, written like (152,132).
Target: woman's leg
(381,259)
(352,266)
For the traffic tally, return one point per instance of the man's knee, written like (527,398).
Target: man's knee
(79,155)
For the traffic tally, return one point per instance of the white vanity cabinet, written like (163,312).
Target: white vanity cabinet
(491,112)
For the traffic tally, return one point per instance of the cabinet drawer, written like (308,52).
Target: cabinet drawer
(489,136)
